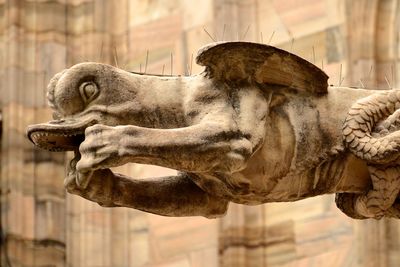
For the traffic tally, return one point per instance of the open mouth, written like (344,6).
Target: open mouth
(59,135)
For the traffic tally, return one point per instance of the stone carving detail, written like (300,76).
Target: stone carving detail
(258,125)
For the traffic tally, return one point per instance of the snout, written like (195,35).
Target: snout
(59,135)
(77,96)
(50,92)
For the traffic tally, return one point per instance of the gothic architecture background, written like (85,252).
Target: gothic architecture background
(356,42)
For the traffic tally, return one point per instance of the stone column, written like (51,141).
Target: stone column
(373,47)
(32,50)
(239,18)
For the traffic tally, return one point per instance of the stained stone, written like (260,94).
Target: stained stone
(83,28)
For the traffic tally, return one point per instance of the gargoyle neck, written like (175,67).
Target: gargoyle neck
(161,100)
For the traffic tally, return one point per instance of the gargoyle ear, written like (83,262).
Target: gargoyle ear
(243,62)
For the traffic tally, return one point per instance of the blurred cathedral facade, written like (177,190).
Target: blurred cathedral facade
(356,42)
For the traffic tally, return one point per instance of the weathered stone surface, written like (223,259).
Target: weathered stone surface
(355,37)
(326,143)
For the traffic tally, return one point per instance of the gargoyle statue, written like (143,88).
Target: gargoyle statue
(258,125)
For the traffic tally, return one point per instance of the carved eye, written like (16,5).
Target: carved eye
(88,91)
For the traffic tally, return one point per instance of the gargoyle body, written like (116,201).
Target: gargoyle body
(258,125)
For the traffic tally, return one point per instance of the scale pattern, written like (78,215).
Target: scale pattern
(370,132)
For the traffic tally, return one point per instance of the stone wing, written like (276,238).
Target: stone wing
(252,63)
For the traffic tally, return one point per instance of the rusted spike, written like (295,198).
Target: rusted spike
(115,57)
(172,63)
(147,60)
(209,35)
(313,52)
(388,83)
(101,51)
(291,45)
(191,64)
(270,38)
(392,72)
(369,73)
(187,71)
(245,33)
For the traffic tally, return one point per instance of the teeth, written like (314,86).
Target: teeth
(40,134)
(42,139)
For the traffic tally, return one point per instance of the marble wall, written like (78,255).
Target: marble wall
(355,42)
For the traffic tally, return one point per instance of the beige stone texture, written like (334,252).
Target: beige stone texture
(40,38)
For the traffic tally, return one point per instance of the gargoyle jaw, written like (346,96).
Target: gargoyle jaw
(59,135)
